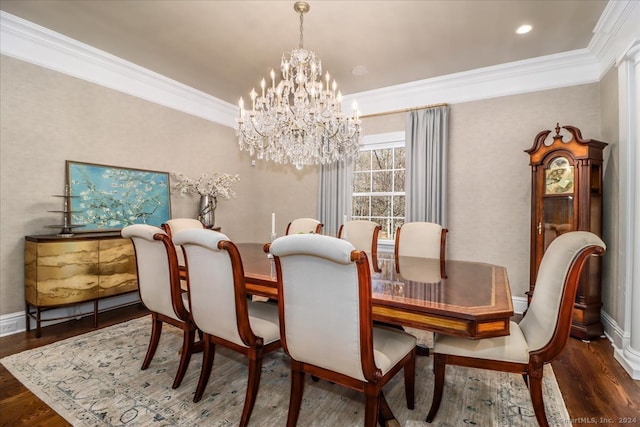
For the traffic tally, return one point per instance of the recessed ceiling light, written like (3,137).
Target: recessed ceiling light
(524,29)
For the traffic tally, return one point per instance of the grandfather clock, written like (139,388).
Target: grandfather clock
(566,195)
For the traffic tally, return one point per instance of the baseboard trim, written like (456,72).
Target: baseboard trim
(14,323)
(620,340)
(613,331)
(520,304)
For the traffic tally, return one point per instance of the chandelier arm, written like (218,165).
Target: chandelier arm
(253,125)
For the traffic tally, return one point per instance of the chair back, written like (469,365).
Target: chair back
(420,239)
(217,293)
(324,291)
(547,322)
(158,276)
(304,225)
(176,225)
(363,235)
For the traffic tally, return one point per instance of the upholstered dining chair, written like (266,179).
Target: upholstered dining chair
(175,225)
(304,225)
(542,333)
(324,291)
(421,240)
(221,310)
(364,237)
(160,292)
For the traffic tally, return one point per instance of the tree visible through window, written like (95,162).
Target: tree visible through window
(378,184)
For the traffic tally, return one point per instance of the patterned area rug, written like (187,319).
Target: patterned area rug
(95,380)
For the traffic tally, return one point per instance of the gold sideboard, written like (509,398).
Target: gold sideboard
(61,271)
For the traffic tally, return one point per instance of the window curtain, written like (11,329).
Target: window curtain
(427,134)
(335,195)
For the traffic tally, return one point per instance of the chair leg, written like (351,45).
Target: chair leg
(372,408)
(410,382)
(535,390)
(297,388)
(384,410)
(209,352)
(188,338)
(439,366)
(253,384)
(156,330)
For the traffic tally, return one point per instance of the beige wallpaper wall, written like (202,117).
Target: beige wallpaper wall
(490,177)
(48,118)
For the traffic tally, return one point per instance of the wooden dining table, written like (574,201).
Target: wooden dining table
(472,300)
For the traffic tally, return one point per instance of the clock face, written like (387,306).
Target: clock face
(559,177)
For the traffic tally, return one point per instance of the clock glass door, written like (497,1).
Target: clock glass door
(557,218)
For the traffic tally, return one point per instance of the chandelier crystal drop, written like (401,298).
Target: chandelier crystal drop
(298,120)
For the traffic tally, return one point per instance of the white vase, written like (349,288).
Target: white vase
(207,212)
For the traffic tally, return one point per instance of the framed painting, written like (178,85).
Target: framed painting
(109,198)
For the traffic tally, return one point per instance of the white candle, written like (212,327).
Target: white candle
(273,222)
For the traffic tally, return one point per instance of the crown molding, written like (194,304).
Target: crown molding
(546,72)
(32,43)
(617,29)
(613,33)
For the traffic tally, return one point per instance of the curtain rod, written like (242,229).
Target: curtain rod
(404,110)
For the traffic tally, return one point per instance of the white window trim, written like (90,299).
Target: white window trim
(380,141)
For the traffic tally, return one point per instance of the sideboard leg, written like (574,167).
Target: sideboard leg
(38,323)
(95,313)
(27,317)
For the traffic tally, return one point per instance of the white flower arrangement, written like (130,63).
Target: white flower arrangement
(217,185)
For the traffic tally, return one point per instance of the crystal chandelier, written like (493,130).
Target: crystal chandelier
(299,120)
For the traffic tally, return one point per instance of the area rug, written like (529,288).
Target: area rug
(95,380)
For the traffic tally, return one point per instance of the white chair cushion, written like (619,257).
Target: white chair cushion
(511,348)
(303,225)
(539,324)
(176,225)
(360,234)
(420,239)
(264,321)
(185,300)
(153,268)
(316,244)
(318,269)
(208,238)
(213,294)
(390,346)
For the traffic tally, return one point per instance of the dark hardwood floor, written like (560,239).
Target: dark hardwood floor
(595,388)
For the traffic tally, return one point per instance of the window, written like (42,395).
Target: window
(378,182)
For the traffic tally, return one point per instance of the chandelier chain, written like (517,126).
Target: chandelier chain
(301,46)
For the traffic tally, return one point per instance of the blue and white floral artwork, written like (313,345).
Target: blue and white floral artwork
(109,197)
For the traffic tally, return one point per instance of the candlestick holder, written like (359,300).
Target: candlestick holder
(273,237)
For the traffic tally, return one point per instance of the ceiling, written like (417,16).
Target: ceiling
(224,48)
